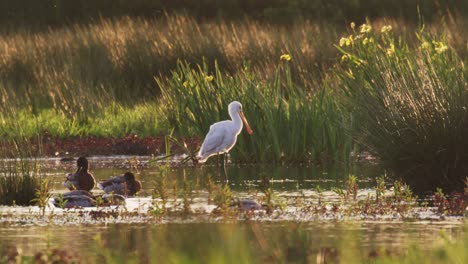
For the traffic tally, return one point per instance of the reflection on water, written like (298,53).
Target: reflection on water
(240,177)
(236,242)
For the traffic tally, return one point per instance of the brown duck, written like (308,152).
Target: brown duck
(81,179)
(125,185)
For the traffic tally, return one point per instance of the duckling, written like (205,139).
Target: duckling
(81,179)
(125,185)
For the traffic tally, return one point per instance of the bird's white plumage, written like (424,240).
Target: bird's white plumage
(223,135)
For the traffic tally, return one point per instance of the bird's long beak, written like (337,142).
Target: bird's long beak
(249,130)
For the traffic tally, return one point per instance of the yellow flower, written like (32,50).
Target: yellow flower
(209,78)
(386,29)
(440,47)
(391,50)
(367,41)
(343,41)
(285,57)
(344,58)
(347,41)
(425,45)
(353,25)
(364,28)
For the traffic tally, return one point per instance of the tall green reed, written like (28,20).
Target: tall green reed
(410,101)
(20,173)
(291,124)
(20,177)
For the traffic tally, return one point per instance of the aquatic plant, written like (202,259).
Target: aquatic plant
(187,193)
(380,188)
(222,197)
(162,184)
(99,202)
(42,196)
(409,100)
(19,180)
(351,187)
(61,201)
(453,205)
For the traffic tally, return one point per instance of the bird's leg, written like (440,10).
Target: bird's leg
(224,168)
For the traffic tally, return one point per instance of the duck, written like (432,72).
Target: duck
(81,179)
(75,198)
(246,205)
(125,185)
(81,198)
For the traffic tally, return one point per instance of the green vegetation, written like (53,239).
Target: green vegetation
(395,86)
(42,196)
(274,108)
(245,243)
(18,182)
(397,94)
(410,100)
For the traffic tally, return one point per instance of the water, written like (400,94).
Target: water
(283,178)
(203,242)
(299,232)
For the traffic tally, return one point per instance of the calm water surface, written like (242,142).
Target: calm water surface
(296,241)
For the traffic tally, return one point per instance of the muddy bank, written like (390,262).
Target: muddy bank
(92,146)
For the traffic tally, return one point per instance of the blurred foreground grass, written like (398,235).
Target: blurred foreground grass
(253,243)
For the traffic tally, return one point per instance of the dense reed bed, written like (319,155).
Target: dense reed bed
(79,66)
(410,100)
(292,125)
(20,177)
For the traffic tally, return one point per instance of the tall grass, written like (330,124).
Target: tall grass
(84,69)
(411,101)
(20,174)
(76,68)
(291,123)
(18,184)
(19,177)
(112,120)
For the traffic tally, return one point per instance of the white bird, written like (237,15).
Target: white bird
(223,135)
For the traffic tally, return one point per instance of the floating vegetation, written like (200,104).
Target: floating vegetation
(396,202)
(42,196)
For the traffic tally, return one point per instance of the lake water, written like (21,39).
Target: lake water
(291,235)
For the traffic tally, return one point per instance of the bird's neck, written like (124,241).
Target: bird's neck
(235,117)
(83,169)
